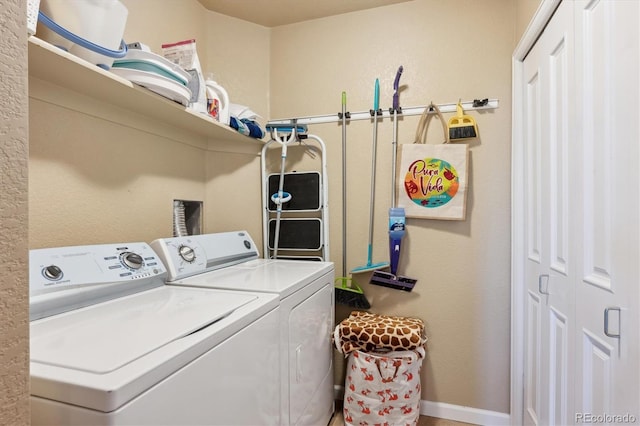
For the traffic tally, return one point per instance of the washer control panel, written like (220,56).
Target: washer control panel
(65,278)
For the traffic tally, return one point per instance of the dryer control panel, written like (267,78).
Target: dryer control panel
(196,254)
(67,278)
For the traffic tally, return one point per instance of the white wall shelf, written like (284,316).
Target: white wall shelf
(53,65)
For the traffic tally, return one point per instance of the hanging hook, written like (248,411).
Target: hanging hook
(480,103)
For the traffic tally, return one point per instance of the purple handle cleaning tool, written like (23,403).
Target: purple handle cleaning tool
(396,86)
(397,218)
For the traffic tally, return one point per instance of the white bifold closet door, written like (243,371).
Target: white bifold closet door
(581,252)
(607,301)
(549,179)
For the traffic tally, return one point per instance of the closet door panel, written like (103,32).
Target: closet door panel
(607,289)
(596,20)
(533,348)
(560,288)
(559,169)
(547,123)
(533,175)
(548,120)
(559,397)
(534,180)
(559,63)
(597,365)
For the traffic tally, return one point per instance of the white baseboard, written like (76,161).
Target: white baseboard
(464,414)
(458,413)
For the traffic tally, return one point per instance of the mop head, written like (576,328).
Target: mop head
(387,279)
(349,293)
(370,267)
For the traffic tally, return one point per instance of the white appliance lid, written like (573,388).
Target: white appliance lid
(104,337)
(283,277)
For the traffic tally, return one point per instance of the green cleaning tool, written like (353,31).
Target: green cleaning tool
(347,291)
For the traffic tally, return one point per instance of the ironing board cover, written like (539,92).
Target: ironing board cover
(367,332)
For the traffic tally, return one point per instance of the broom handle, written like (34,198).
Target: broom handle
(394,142)
(376,103)
(344,184)
(394,158)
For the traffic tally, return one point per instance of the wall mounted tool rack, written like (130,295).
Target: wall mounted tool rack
(476,104)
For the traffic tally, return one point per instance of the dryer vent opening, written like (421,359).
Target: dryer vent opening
(187,218)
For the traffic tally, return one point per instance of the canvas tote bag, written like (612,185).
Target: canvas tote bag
(431,180)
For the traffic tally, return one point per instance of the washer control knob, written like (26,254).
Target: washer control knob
(132,260)
(52,272)
(187,253)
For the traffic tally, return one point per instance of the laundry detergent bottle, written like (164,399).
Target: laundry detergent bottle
(217,101)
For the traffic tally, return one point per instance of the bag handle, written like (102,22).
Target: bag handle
(423,124)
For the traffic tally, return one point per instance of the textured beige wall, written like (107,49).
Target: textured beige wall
(448,53)
(175,21)
(238,57)
(95,181)
(14,296)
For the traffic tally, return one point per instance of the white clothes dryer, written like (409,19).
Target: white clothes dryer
(111,344)
(306,293)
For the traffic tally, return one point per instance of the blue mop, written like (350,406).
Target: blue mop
(374,113)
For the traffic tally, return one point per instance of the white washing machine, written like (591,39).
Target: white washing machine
(306,293)
(111,344)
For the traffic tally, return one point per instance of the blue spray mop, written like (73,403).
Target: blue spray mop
(374,113)
(397,220)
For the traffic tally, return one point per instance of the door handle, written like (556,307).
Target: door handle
(607,332)
(541,278)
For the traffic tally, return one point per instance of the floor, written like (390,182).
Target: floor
(338,420)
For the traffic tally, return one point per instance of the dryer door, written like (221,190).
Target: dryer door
(311,359)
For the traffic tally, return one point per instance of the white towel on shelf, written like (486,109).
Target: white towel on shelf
(242,112)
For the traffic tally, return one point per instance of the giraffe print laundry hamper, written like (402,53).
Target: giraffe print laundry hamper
(382,385)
